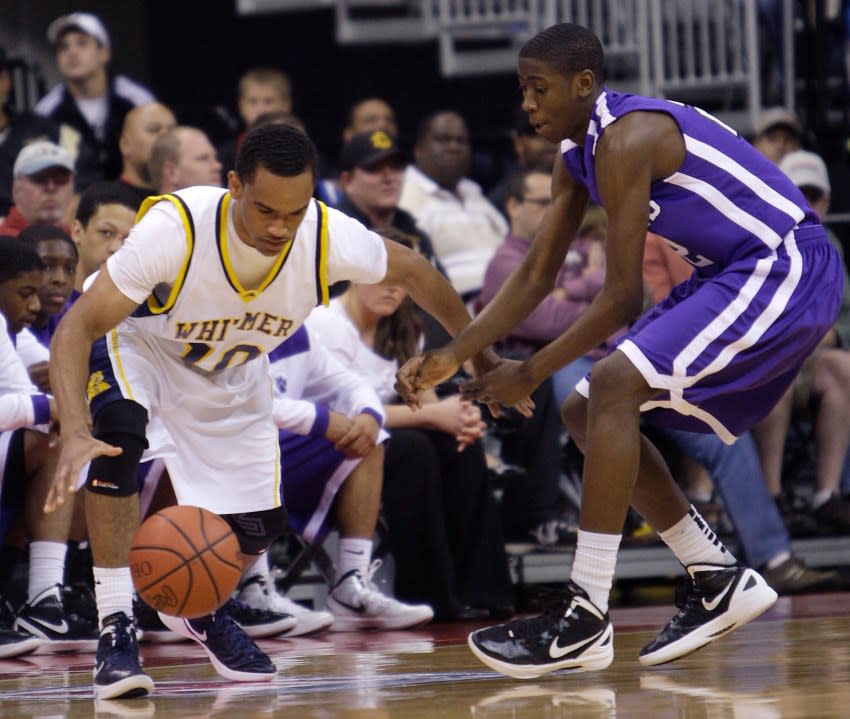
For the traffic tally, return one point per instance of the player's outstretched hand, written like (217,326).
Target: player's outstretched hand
(422,372)
(508,384)
(76,451)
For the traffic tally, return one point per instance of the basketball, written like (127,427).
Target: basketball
(185,561)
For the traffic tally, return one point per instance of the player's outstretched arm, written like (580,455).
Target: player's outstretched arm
(96,312)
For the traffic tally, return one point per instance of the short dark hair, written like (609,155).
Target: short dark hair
(283,150)
(568,48)
(17,257)
(426,122)
(34,234)
(105,193)
(518,185)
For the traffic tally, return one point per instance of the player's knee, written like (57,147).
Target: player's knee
(615,381)
(121,424)
(257,530)
(574,416)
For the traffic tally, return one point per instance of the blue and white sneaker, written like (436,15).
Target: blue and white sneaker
(117,672)
(60,631)
(232,652)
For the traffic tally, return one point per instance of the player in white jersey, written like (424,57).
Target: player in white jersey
(208,282)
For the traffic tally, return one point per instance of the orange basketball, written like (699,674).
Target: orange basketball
(185,561)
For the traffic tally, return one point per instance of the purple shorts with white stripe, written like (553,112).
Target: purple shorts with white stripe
(725,349)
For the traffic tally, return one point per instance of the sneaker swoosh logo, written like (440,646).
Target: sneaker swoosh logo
(200,636)
(556,651)
(712,605)
(61,628)
(360,609)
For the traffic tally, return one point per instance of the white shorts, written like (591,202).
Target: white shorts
(215,432)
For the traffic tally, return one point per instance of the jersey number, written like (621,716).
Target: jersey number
(239,354)
(685,254)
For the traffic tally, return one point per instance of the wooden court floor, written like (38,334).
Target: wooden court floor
(792,662)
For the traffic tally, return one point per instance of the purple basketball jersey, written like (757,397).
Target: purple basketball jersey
(725,345)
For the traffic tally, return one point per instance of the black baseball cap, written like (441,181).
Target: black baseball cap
(368,148)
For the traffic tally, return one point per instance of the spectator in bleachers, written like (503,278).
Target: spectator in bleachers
(464,226)
(531,152)
(42,187)
(16,130)
(142,126)
(444,530)
(183,157)
(105,215)
(823,385)
(371,113)
(261,90)
(531,506)
(90,99)
(778,132)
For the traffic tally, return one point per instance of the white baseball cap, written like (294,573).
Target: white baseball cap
(38,156)
(806,169)
(85,22)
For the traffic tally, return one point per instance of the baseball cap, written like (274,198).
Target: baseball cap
(85,22)
(779,117)
(368,148)
(806,169)
(38,156)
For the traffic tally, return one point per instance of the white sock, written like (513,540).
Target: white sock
(47,567)
(113,589)
(594,563)
(260,568)
(693,542)
(821,496)
(354,553)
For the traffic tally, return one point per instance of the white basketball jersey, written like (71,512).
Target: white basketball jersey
(211,322)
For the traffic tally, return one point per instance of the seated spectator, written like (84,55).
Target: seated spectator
(531,152)
(735,470)
(89,99)
(444,531)
(42,188)
(823,387)
(183,157)
(531,507)
(332,458)
(16,130)
(464,227)
(371,113)
(261,90)
(142,126)
(105,215)
(777,133)
(29,457)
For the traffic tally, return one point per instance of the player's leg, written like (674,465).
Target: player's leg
(356,602)
(44,614)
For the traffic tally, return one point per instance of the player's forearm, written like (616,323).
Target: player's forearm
(433,293)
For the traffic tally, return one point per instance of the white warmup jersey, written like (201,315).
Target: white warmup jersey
(197,358)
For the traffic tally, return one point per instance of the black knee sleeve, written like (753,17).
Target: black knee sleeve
(257,530)
(121,424)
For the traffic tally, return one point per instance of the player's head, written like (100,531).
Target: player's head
(58,253)
(273,184)
(105,215)
(560,76)
(20,280)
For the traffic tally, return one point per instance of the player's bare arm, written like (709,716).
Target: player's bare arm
(96,312)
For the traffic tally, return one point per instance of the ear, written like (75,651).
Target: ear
(512,206)
(234,184)
(77,231)
(585,83)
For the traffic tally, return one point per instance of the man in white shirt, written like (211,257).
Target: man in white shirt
(464,226)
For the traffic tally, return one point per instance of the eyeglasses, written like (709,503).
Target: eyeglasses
(539,201)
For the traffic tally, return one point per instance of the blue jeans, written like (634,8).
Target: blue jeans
(736,472)
(566,378)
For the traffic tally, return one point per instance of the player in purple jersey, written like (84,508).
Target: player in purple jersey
(716,355)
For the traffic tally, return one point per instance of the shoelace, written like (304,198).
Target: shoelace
(555,606)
